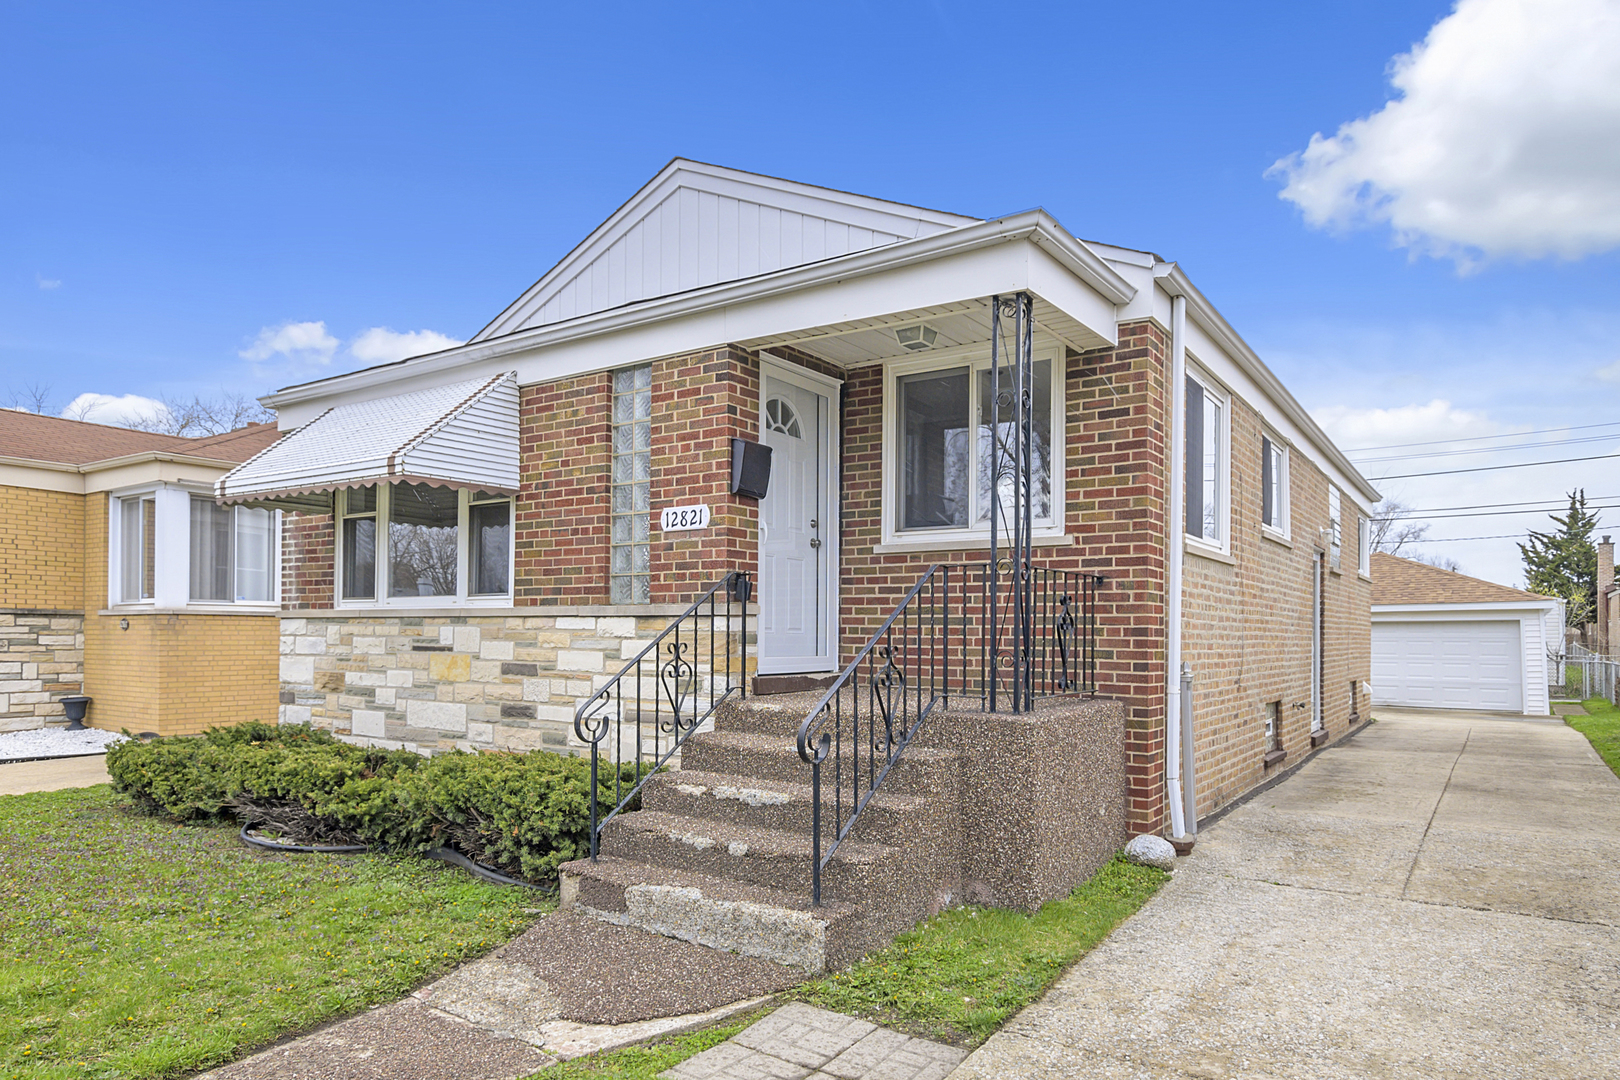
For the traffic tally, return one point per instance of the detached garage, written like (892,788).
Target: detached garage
(1442,640)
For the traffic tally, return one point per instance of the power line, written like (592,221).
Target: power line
(1459,539)
(1484,513)
(1548,503)
(1493,468)
(1493,449)
(1483,438)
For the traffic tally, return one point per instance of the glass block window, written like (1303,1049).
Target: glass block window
(629,582)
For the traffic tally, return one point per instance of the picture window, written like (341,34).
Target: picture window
(443,544)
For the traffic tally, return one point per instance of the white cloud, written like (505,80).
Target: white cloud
(1504,139)
(125,411)
(1609,373)
(1350,427)
(380,345)
(303,343)
(47,283)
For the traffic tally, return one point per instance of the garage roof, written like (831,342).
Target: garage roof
(1401,581)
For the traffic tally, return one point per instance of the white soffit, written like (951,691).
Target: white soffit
(460,435)
(695,225)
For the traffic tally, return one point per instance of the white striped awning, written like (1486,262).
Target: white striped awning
(462,435)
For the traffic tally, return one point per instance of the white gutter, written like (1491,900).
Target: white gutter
(1036,226)
(1173,558)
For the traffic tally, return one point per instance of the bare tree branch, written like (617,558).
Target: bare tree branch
(33,397)
(205,415)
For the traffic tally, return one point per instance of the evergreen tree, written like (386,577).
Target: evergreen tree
(1564,563)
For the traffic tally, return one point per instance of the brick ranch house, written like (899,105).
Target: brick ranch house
(474,538)
(122,579)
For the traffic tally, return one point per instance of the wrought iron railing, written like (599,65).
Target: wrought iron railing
(664,694)
(955,633)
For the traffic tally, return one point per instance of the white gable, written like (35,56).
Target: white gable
(695,225)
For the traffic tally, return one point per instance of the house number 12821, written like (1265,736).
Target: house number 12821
(675,518)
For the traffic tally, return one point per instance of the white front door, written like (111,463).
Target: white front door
(796,538)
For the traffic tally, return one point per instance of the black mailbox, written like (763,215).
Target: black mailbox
(750,468)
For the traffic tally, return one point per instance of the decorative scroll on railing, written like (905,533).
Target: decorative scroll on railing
(865,720)
(955,635)
(663,695)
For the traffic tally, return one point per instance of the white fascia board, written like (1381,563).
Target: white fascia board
(1270,389)
(41,475)
(1460,612)
(862,211)
(963,264)
(105,475)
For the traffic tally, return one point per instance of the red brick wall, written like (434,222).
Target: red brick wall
(307,567)
(562,537)
(699,403)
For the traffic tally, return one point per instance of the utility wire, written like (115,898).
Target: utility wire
(1414,517)
(1483,438)
(1493,468)
(1554,504)
(1492,449)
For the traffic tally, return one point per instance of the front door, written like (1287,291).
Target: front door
(796,538)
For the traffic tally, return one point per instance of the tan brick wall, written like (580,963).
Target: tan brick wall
(41,549)
(173,674)
(1248,625)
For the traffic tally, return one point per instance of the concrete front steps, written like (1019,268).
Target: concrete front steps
(720,852)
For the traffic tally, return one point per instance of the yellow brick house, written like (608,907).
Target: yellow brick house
(122,579)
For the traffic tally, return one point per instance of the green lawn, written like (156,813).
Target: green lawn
(137,948)
(961,975)
(1602,729)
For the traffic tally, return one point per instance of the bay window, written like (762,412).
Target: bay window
(442,545)
(947,475)
(232,552)
(171,547)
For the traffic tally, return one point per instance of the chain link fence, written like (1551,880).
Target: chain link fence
(1588,675)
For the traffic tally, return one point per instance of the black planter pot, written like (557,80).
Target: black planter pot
(75,705)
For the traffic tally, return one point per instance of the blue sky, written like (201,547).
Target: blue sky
(178,180)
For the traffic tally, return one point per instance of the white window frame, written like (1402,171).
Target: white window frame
(1283,529)
(1335,529)
(171,550)
(1222,545)
(380,597)
(976,358)
(1363,546)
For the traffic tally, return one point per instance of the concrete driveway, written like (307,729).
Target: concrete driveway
(1439,897)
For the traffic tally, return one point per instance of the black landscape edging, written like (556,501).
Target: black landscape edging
(300,849)
(51,757)
(456,858)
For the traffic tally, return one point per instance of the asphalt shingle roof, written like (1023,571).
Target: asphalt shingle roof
(1401,581)
(34,437)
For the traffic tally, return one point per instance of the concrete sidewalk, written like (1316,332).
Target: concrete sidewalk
(1439,897)
(21,777)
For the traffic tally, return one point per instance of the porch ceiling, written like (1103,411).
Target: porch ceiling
(871,341)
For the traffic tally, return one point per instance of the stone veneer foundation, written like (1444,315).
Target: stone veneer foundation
(41,662)
(431,682)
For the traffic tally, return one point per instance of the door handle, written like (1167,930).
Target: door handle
(815,542)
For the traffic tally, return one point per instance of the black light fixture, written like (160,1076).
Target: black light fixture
(750,468)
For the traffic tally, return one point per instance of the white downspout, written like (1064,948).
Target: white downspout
(1173,558)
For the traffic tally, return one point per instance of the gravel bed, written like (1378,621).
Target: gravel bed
(55,742)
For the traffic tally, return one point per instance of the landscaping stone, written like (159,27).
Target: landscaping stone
(799,1041)
(1150,850)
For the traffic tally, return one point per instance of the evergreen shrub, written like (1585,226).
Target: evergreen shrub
(523,814)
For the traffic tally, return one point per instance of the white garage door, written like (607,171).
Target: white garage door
(1448,665)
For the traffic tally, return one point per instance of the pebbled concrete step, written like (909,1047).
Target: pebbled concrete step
(772,858)
(922,771)
(777,925)
(773,804)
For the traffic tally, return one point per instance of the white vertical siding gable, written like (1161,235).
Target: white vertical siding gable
(699,225)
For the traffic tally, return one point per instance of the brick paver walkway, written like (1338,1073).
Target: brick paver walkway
(800,1042)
